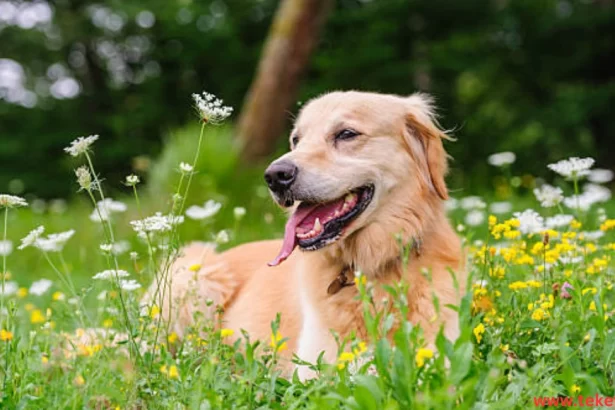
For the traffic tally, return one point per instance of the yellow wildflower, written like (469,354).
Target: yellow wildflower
(608,224)
(275,342)
(423,354)
(533,284)
(154,311)
(492,220)
(504,348)
(360,349)
(497,272)
(195,268)
(574,224)
(22,292)
(107,323)
(539,314)
(173,372)
(362,279)
(517,285)
(592,306)
(344,358)
(37,317)
(226,333)
(57,296)
(172,338)
(588,290)
(575,389)
(79,380)
(478,332)
(5,335)
(44,359)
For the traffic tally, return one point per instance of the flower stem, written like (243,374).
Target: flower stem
(6,220)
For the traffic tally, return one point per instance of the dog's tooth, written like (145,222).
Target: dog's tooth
(337,213)
(317,225)
(349,197)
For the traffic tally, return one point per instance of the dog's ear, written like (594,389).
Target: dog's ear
(423,132)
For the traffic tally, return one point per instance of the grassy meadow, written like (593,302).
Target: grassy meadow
(536,321)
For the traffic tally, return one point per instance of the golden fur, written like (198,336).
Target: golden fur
(400,151)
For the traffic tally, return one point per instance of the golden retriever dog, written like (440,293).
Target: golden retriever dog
(365,172)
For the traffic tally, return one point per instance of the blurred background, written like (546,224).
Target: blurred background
(535,77)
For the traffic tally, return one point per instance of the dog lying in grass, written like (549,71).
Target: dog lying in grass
(365,175)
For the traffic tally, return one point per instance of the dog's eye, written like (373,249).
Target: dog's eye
(294,141)
(346,134)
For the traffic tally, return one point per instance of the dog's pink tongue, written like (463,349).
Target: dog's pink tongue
(290,235)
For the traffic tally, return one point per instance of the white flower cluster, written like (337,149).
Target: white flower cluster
(600,176)
(155,224)
(502,207)
(592,194)
(530,221)
(125,284)
(117,248)
(111,274)
(211,109)
(572,167)
(185,168)
(6,248)
(558,221)
(11,201)
(209,209)
(81,145)
(501,159)
(549,196)
(52,243)
(40,287)
(104,210)
(10,288)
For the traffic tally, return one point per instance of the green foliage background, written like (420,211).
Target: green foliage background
(532,76)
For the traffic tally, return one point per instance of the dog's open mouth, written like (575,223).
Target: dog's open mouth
(315,225)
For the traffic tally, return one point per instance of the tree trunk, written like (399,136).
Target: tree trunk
(292,37)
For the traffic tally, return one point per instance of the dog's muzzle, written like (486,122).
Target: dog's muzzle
(280,177)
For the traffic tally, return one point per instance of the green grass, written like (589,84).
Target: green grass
(506,355)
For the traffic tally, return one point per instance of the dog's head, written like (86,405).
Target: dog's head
(358,159)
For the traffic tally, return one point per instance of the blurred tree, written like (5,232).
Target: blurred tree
(291,39)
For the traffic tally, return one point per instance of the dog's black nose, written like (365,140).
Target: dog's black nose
(281,175)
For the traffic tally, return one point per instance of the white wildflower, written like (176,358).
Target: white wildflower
(549,196)
(558,221)
(84,178)
(106,247)
(129,285)
(32,237)
(474,218)
(102,295)
(222,237)
(501,159)
(54,242)
(104,209)
(472,202)
(211,109)
(451,204)
(185,168)
(592,235)
(73,301)
(132,180)
(134,256)
(81,145)
(600,176)
(530,221)
(110,274)
(239,212)
(155,224)
(40,287)
(10,288)
(503,207)
(572,167)
(460,228)
(571,259)
(120,247)
(209,209)
(592,194)
(6,248)
(11,201)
